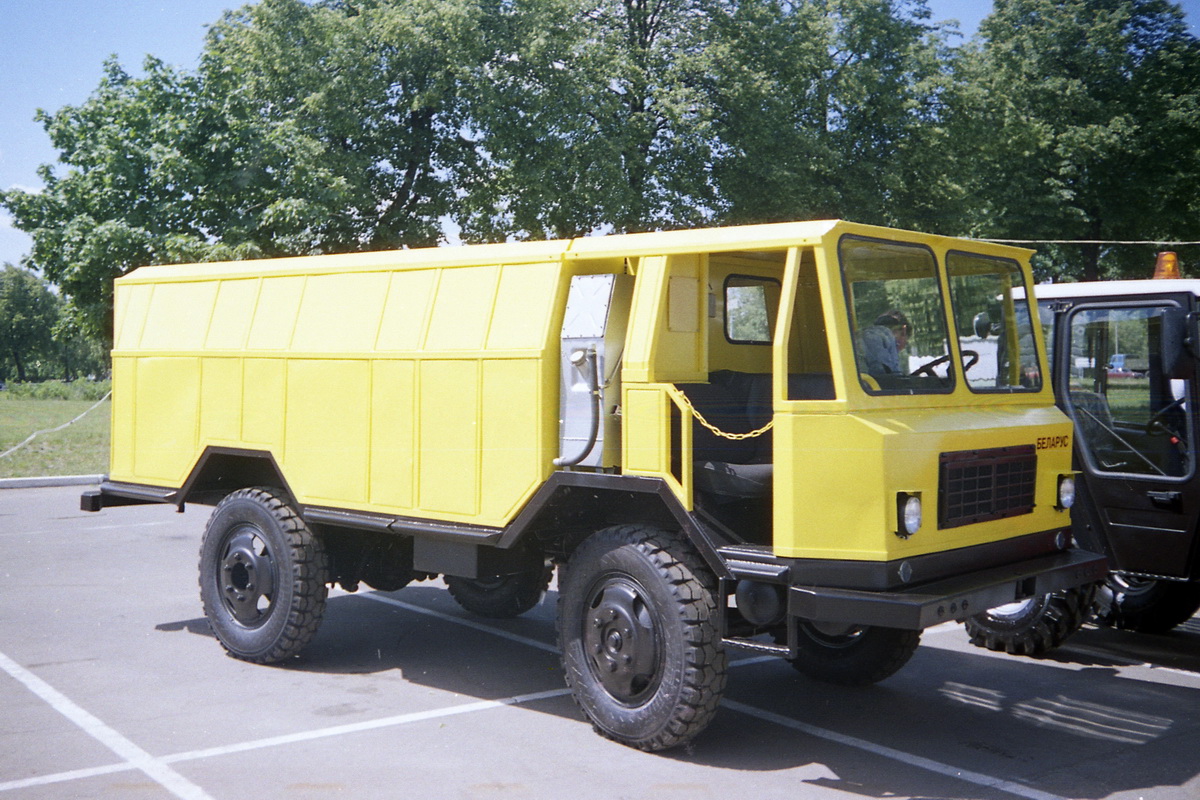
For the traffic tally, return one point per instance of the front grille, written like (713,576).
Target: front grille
(978,485)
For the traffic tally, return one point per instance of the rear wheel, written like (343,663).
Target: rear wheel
(262,577)
(502,596)
(637,632)
(851,655)
(1147,605)
(1033,626)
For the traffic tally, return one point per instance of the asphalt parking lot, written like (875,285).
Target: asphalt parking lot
(111,686)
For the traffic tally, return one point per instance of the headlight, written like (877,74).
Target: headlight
(1066,491)
(909,508)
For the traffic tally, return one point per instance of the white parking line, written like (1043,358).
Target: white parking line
(512,637)
(977,778)
(367,725)
(138,759)
(135,756)
(65,777)
(292,738)
(920,762)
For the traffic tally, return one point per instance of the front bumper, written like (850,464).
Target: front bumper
(955,598)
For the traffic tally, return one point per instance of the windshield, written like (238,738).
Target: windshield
(995,335)
(1129,416)
(898,317)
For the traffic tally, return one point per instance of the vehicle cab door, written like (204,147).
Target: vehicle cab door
(1135,429)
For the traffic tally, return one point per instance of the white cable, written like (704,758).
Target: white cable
(36,434)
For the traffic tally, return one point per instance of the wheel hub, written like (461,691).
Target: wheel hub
(622,641)
(247,576)
(1017,610)
(1131,585)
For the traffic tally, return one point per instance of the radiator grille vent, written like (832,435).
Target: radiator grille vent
(979,485)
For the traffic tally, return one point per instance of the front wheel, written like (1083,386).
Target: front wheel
(262,577)
(851,655)
(637,632)
(1033,626)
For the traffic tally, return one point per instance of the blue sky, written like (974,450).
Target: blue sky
(51,53)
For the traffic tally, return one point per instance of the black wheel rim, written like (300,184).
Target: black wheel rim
(246,580)
(1129,586)
(1021,609)
(621,640)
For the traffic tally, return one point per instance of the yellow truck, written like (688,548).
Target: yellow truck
(810,439)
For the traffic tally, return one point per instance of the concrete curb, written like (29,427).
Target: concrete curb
(56,480)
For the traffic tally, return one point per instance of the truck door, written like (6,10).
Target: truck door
(1135,427)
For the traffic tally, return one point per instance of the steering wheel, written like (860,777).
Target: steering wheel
(1155,425)
(927,369)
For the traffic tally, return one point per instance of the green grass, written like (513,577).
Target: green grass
(79,449)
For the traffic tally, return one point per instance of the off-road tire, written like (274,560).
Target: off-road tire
(1033,626)
(1147,606)
(860,656)
(263,577)
(504,596)
(637,630)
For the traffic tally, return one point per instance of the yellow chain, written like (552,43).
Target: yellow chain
(737,437)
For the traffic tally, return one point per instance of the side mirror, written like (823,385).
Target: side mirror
(1180,343)
(982,324)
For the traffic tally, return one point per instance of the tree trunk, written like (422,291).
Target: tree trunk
(1091,255)
(16,356)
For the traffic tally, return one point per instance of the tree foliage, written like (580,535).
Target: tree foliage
(27,315)
(590,118)
(307,129)
(340,125)
(38,339)
(1084,114)
(127,199)
(831,108)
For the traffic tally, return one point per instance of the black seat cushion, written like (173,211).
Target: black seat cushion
(733,480)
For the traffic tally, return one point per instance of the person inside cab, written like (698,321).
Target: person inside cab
(880,344)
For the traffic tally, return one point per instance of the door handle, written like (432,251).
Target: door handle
(1169,500)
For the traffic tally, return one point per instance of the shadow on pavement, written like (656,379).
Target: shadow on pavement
(1178,649)
(1070,725)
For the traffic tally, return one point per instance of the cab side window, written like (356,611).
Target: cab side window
(750,307)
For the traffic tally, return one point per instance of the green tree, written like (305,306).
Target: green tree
(76,352)
(341,121)
(128,192)
(1085,118)
(590,119)
(831,108)
(308,128)
(28,311)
